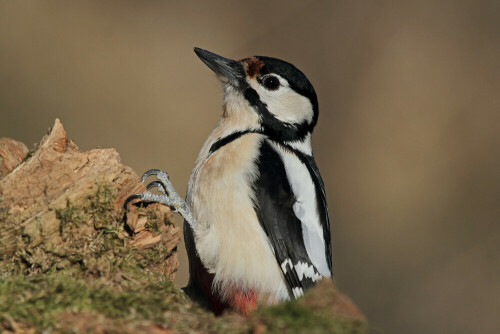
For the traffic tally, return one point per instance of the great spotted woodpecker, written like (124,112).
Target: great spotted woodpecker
(257,224)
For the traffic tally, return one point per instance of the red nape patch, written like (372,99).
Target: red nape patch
(245,302)
(252,66)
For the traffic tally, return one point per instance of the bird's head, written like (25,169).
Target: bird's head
(280,99)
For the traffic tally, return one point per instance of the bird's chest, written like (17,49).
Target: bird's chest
(220,187)
(229,239)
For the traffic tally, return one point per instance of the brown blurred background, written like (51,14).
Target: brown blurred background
(408,139)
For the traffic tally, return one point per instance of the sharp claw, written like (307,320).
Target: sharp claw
(131,198)
(149,173)
(158,185)
(169,196)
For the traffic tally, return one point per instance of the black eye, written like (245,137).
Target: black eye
(271,83)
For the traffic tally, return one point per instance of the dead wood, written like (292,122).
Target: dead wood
(57,177)
(72,260)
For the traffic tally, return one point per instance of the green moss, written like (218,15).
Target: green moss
(291,316)
(100,208)
(153,224)
(90,271)
(69,215)
(296,317)
(155,221)
(39,301)
(89,268)
(93,240)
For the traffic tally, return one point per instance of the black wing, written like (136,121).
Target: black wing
(274,202)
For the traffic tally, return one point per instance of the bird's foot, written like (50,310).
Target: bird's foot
(167,197)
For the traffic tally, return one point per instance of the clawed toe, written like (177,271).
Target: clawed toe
(158,185)
(154,198)
(152,172)
(131,198)
(167,197)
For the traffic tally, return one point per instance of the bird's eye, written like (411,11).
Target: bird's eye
(271,83)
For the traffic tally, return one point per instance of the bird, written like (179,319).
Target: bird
(257,227)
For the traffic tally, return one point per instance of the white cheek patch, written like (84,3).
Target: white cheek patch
(284,103)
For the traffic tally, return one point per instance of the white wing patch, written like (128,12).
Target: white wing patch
(304,269)
(305,209)
(283,265)
(297,292)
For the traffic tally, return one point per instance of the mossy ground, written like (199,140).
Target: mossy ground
(89,279)
(297,317)
(40,300)
(87,267)
(92,239)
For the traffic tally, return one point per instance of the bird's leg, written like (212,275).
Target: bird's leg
(168,196)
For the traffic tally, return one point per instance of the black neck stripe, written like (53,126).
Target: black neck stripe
(226,140)
(272,127)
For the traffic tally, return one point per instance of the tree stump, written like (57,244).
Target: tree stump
(73,260)
(60,187)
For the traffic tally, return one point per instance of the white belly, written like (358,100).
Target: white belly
(229,239)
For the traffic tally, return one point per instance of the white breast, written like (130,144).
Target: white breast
(230,241)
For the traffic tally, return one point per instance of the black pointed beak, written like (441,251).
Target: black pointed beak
(230,71)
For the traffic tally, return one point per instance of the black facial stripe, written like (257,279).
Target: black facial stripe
(226,140)
(273,127)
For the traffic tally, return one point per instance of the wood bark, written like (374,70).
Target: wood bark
(12,153)
(59,173)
